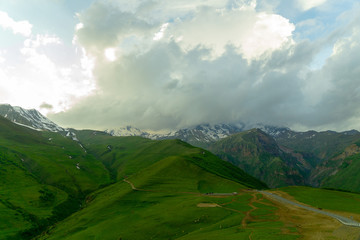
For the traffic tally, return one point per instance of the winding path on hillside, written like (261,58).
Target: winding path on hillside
(343,220)
(131,184)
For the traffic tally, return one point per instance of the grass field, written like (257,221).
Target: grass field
(326,199)
(166,206)
(118,212)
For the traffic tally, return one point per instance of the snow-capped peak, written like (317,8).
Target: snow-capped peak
(204,133)
(127,131)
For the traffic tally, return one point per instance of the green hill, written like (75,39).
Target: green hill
(125,156)
(167,205)
(47,176)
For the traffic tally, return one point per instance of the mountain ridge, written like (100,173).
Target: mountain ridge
(31,118)
(307,158)
(259,155)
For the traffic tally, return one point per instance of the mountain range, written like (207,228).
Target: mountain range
(278,156)
(61,183)
(201,135)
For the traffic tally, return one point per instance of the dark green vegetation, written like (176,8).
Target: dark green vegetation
(259,155)
(45,177)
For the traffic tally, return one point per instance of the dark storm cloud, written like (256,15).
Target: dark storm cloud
(162,85)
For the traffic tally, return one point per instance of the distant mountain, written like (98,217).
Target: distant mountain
(316,147)
(28,117)
(258,154)
(285,157)
(201,136)
(127,131)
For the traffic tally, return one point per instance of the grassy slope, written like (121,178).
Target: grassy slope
(125,156)
(22,198)
(52,158)
(167,209)
(39,182)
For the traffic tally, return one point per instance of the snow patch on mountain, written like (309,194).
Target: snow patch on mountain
(127,131)
(29,118)
(204,133)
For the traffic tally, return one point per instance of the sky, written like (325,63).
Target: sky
(164,65)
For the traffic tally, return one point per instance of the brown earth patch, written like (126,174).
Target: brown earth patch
(309,224)
(207,205)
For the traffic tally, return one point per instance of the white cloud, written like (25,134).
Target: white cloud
(87,64)
(159,35)
(308,4)
(110,54)
(211,24)
(79,26)
(17,27)
(251,32)
(39,76)
(269,33)
(42,40)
